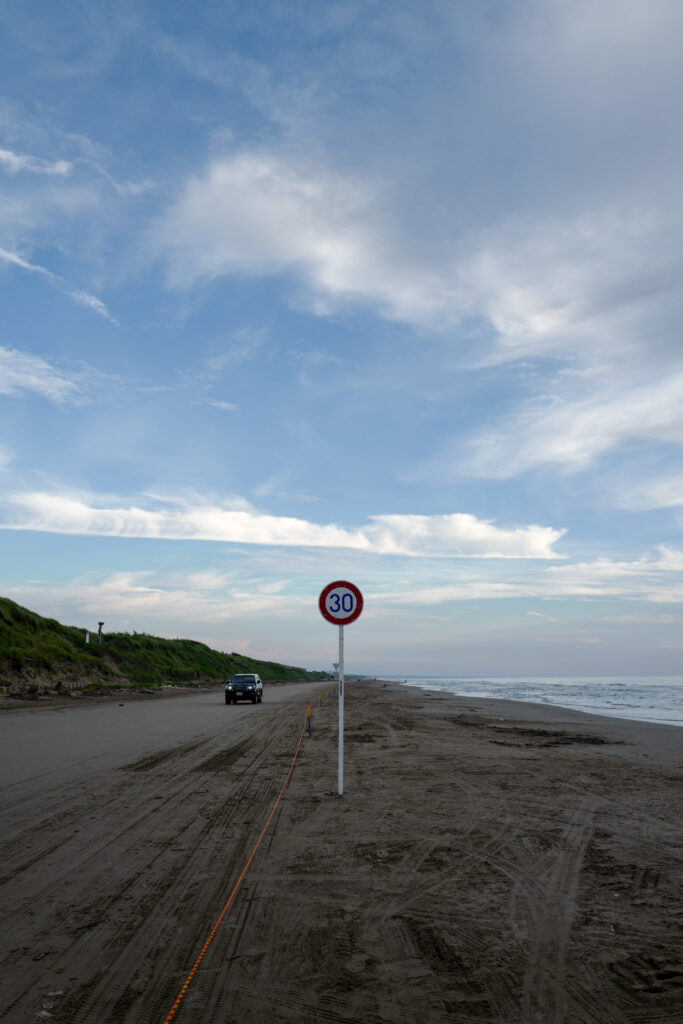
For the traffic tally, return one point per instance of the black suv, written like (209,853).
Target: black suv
(245,686)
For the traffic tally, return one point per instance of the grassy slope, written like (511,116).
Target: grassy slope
(38,650)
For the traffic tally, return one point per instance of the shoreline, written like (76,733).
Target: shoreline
(600,713)
(663,715)
(660,740)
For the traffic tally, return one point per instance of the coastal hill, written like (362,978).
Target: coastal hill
(39,652)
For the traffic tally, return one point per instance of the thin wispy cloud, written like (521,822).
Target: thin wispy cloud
(651,493)
(573,432)
(24,372)
(126,189)
(669,560)
(15,163)
(78,296)
(655,579)
(146,596)
(219,403)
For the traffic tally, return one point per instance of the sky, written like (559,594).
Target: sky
(385,291)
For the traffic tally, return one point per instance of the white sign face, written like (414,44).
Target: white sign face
(341,602)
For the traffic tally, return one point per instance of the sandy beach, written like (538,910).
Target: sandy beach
(488,862)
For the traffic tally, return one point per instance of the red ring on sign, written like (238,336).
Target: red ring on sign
(349,618)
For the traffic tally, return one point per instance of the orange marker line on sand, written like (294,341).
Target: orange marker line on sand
(195,967)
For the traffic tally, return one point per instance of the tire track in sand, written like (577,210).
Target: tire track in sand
(545,905)
(119,919)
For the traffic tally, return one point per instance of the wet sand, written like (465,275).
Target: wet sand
(488,862)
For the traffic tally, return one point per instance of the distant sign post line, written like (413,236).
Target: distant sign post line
(341,603)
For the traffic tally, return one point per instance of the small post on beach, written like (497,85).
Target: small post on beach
(308,719)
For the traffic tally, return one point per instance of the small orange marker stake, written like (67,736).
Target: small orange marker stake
(308,717)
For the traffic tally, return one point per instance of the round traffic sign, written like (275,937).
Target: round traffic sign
(340,603)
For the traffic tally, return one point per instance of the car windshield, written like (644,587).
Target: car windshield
(242,679)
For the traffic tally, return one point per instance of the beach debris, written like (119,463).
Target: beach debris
(89,926)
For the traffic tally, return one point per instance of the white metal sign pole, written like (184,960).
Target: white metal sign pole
(340,787)
(341,603)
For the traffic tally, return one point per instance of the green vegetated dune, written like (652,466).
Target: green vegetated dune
(35,651)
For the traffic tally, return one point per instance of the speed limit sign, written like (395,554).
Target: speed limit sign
(341,602)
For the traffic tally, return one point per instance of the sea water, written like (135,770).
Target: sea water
(647,699)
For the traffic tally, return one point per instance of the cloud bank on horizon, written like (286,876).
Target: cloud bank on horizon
(405,277)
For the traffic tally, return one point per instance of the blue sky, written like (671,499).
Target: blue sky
(383,291)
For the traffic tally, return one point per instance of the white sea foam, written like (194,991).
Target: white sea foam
(647,699)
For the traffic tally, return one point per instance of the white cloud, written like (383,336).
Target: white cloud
(534,213)
(659,492)
(16,162)
(542,284)
(146,600)
(466,590)
(126,189)
(23,371)
(256,213)
(219,403)
(669,560)
(649,578)
(242,345)
(81,298)
(653,620)
(598,291)
(209,595)
(572,432)
(547,283)
(657,579)
(456,535)
(559,241)
(90,302)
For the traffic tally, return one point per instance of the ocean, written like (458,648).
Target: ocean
(647,699)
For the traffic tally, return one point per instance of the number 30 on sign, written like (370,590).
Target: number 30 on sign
(341,602)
